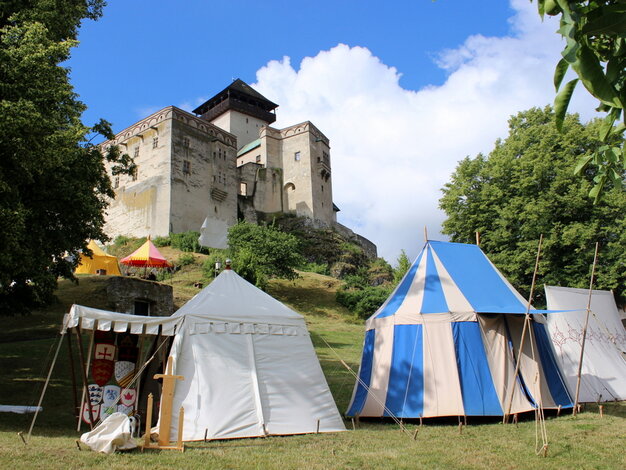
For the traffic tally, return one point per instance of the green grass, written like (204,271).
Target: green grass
(27,345)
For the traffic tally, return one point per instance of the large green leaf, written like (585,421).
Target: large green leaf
(559,73)
(591,73)
(561,103)
(612,21)
(582,163)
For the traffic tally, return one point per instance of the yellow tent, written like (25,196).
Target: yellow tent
(106,264)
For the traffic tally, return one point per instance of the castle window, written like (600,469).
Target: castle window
(220,153)
(155,142)
(296,156)
(136,152)
(116,182)
(322,188)
(214,155)
(243,189)
(134,177)
(186,142)
(258,158)
(186,167)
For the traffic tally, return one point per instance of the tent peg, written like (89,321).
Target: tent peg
(318,427)
(22,437)
(415,433)
(353,425)
(601,408)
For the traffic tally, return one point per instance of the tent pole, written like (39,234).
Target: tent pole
(82,369)
(73,375)
(477,238)
(505,418)
(139,360)
(45,385)
(82,399)
(582,348)
(425,233)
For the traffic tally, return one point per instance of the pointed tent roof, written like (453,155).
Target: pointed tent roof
(451,277)
(231,298)
(98,260)
(146,255)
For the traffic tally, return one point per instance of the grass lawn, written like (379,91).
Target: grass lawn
(27,345)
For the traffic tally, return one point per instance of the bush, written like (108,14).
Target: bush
(319,268)
(186,259)
(161,241)
(208,267)
(187,241)
(363,302)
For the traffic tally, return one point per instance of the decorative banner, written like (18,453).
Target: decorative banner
(104,351)
(128,353)
(95,393)
(104,337)
(85,413)
(111,394)
(127,410)
(102,371)
(128,396)
(124,371)
(106,411)
(126,340)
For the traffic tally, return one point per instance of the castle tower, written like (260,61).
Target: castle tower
(240,110)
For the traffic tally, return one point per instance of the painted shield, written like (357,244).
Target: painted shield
(104,351)
(127,410)
(95,393)
(124,371)
(106,411)
(102,371)
(111,395)
(126,340)
(85,413)
(128,396)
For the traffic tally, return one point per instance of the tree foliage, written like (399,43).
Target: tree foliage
(260,253)
(53,181)
(595,49)
(526,187)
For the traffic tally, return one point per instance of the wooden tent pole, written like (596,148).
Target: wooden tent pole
(582,348)
(477,238)
(45,385)
(526,323)
(425,234)
(73,375)
(82,399)
(139,361)
(83,373)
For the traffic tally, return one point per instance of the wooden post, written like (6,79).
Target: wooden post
(167,396)
(146,439)
(181,420)
(507,412)
(139,361)
(425,234)
(601,408)
(582,347)
(77,407)
(84,374)
(82,398)
(477,238)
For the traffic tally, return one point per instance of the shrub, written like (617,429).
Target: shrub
(161,241)
(186,259)
(187,241)
(363,302)
(208,267)
(319,268)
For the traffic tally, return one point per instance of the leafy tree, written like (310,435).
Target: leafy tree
(262,252)
(404,264)
(526,187)
(53,181)
(595,48)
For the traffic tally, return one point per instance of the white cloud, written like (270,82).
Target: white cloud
(393,149)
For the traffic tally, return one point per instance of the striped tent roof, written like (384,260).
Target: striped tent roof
(453,278)
(146,255)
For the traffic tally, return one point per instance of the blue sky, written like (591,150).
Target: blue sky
(403,89)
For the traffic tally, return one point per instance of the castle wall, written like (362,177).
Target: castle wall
(203,174)
(245,127)
(142,204)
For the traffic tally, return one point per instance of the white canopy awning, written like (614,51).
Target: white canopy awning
(95,319)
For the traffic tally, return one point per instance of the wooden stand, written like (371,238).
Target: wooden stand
(167,396)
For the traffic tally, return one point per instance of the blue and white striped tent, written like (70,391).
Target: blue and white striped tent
(445,344)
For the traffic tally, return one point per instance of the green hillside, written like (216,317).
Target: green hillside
(27,345)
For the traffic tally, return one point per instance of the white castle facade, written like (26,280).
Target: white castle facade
(206,170)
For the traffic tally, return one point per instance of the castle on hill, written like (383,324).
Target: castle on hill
(206,170)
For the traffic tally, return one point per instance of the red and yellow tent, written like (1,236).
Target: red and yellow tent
(146,256)
(99,262)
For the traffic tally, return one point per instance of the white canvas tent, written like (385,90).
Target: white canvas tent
(603,375)
(249,366)
(248,363)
